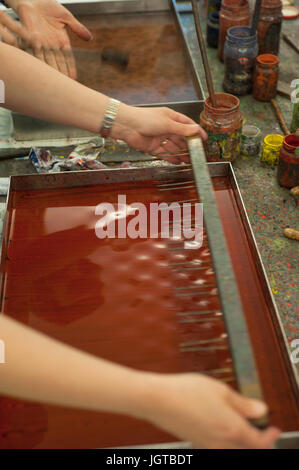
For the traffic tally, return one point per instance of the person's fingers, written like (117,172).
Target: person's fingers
(180,142)
(61,62)
(50,57)
(297,133)
(8,37)
(36,45)
(79,29)
(168,146)
(179,117)
(70,61)
(186,130)
(181,155)
(247,407)
(183,119)
(249,437)
(14,26)
(175,160)
(39,53)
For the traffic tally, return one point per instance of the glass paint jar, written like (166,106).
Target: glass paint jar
(251,141)
(223,126)
(213,29)
(232,13)
(269,26)
(288,165)
(265,77)
(271,149)
(240,52)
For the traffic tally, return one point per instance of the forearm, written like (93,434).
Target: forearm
(38,368)
(35,89)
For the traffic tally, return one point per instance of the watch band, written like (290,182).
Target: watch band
(109,118)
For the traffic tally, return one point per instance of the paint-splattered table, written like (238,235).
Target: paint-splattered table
(270,207)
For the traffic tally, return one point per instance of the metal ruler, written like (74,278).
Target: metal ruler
(240,345)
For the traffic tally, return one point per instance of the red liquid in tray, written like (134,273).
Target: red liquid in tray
(116,298)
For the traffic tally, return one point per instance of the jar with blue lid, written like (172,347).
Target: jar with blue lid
(240,52)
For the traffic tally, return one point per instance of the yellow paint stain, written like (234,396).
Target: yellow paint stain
(273,285)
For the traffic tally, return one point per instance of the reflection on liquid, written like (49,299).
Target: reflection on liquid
(136,302)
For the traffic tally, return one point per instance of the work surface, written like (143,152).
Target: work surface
(270,208)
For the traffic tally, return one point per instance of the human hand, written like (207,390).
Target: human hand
(11,30)
(205,412)
(46,23)
(297,133)
(158,131)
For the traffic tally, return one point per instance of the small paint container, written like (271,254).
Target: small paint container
(240,52)
(223,124)
(251,141)
(288,165)
(271,149)
(232,13)
(213,29)
(269,26)
(265,77)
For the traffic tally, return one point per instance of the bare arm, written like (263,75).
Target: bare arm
(194,408)
(60,374)
(34,88)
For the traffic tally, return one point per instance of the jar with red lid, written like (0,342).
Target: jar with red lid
(223,124)
(288,165)
(232,13)
(265,77)
(269,26)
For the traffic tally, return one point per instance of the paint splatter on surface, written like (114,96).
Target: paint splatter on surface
(270,208)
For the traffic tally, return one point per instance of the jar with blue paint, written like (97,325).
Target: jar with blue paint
(240,52)
(213,29)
